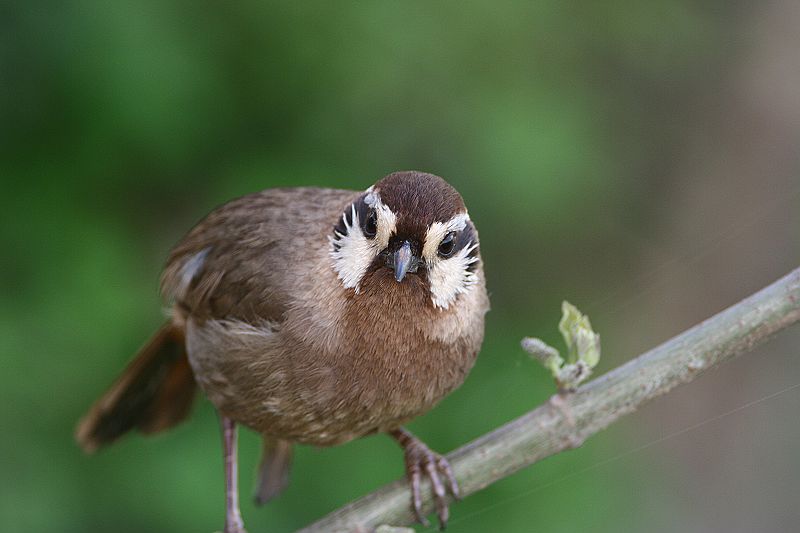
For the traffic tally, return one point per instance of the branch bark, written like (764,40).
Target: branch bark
(567,420)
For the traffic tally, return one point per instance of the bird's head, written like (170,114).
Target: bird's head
(411,228)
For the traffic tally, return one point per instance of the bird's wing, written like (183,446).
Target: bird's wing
(242,260)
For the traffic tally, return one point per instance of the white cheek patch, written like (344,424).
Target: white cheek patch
(452,276)
(352,251)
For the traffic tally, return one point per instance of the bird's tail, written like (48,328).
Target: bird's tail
(273,472)
(154,393)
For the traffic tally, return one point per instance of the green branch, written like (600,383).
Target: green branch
(569,418)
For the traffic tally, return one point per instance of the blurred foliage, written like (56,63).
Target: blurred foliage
(122,123)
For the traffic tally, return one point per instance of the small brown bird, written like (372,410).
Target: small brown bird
(312,316)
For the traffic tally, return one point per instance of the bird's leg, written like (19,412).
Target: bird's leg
(233,517)
(421,460)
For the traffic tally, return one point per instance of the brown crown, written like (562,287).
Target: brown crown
(419,199)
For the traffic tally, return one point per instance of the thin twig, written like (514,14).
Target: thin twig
(567,420)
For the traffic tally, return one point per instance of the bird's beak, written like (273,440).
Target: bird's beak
(403,261)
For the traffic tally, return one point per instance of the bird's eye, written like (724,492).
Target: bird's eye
(447,245)
(371,224)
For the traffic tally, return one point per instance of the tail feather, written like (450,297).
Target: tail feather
(273,472)
(154,393)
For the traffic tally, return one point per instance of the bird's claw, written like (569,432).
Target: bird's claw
(419,458)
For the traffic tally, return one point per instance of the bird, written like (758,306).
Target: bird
(312,316)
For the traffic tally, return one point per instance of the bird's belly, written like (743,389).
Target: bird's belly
(325,408)
(283,390)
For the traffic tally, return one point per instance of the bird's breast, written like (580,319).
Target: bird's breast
(332,373)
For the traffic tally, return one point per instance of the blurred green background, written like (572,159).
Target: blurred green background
(640,159)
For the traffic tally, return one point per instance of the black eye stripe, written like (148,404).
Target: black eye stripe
(464,238)
(469,237)
(361,209)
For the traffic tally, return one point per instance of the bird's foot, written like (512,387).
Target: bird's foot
(422,460)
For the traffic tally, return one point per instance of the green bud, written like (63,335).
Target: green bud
(583,344)
(583,350)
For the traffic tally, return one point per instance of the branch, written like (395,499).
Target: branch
(567,420)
